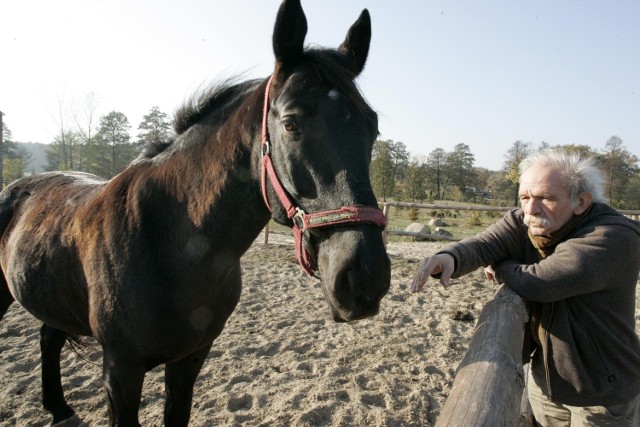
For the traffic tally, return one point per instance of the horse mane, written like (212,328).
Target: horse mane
(221,96)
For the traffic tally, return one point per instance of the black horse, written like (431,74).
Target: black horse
(148,262)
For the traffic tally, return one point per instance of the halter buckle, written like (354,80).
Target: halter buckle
(298,218)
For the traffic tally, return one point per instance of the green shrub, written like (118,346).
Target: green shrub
(474,220)
(413,214)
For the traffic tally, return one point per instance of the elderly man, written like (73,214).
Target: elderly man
(575,261)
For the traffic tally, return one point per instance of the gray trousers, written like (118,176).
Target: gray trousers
(550,414)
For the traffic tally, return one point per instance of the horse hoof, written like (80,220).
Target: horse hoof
(73,421)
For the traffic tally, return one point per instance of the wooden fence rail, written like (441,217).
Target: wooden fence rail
(385,205)
(480,208)
(489,382)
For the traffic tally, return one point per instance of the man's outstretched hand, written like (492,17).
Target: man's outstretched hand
(442,264)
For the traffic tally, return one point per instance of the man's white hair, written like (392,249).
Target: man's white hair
(579,174)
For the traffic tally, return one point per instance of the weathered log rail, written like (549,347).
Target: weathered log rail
(633,214)
(489,382)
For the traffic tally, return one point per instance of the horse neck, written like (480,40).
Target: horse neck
(217,178)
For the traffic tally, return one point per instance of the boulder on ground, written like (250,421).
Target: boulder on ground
(417,227)
(442,232)
(437,222)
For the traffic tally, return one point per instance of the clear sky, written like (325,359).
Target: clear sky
(484,73)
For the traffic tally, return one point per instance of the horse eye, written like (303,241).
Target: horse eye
(290,125)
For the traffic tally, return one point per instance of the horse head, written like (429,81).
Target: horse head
(318,133)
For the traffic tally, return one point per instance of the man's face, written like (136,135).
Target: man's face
(544,200)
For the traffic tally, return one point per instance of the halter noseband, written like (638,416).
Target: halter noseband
(303,221)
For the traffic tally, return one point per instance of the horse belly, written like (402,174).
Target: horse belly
(48,285)
(170,325)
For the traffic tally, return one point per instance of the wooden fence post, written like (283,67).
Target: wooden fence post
(266,234)
(385,211)
(488,387)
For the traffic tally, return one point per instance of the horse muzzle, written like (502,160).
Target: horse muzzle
(355,271)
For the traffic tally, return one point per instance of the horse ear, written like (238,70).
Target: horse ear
(289,33)
(356,44)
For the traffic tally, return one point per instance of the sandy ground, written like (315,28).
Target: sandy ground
(280,360)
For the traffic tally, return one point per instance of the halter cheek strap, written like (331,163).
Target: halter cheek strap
(303,221)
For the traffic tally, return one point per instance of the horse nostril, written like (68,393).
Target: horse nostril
(353,291)
(343,286)
(355,285)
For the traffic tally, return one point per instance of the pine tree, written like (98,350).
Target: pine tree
(14,158)
(154,127)
(112,151)
(382,171)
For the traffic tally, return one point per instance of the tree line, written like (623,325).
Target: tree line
(398,175)
(104,147)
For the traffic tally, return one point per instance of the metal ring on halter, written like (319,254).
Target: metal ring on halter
(298,218)
(266,148)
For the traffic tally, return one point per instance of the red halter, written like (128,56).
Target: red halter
(303,221)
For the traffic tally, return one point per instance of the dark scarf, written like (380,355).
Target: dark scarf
(545,246)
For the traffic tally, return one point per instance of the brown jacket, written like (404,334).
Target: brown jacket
(586,290)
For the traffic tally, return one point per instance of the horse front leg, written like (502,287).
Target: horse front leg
(6,299)
(179,378)
(51,342)
(123,378)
